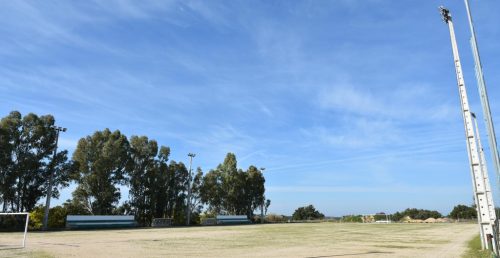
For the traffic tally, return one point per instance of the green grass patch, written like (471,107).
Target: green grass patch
(23,253)
(396,246)
(474,249)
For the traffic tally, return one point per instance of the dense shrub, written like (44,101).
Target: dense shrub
(57,217)
(36,218)
(463,212)
(12,223)
(307,213)
(416,214)
(352,218)
(275,218)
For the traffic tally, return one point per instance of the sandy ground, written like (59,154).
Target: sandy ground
(318,240)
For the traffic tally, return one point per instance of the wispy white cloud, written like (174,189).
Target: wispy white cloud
(401,102)
(223,139)
(412,151)
(363,189)
(300,88)
(356,133)
(133,9)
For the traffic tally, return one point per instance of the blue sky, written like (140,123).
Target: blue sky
(350,105)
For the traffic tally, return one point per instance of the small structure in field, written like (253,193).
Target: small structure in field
(209,222)
(161,222)
(99,221)
(232,219)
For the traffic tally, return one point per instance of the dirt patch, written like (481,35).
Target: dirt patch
(278,240)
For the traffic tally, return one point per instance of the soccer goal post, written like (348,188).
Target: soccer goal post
(26,214)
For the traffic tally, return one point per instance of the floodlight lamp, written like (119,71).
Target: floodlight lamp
(445,13)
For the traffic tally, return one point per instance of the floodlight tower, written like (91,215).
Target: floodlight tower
(481,185)
(190,179)
(481,86)
(262,204)
(56,129)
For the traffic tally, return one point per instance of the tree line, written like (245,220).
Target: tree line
(106,160)
(460,211)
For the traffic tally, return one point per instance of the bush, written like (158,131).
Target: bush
(352,218)
(36,218)
(463,212)
(307,213)
(195,218)
(416,214)
(275,218)
(57,217)
(12,223)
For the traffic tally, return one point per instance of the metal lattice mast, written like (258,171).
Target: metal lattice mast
(484,167)
(481,86)
(480,183)
(489,195)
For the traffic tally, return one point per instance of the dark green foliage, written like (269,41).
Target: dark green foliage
(352,218)
(26,161)
(124,209)
(163,178)
(195,202)
(143,175)
(211,191)
(12,223)
(397,216)
(307,213)
(106,160)
(380,216)
(176,189)
(463,212)
(416,214)
(158,189)
(229,190)
(57,217)
(103,159)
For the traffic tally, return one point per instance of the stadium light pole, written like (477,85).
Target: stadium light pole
(57,129)
(485,103)
(263,200)
(188,221)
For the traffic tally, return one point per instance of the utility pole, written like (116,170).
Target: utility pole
(57,129)
(263,201)
(481,86)
(188,221)
(480,182)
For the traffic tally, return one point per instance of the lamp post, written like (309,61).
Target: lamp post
(57,129)
(188,221)
(263,200)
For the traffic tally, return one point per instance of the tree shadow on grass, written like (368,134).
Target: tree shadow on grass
(352,254)
(10,247)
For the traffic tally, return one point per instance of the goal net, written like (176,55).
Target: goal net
(13,229)
(161,222)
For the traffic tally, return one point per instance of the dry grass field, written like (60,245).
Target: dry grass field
(318,240)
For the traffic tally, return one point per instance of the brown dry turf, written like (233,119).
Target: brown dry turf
(319,240)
